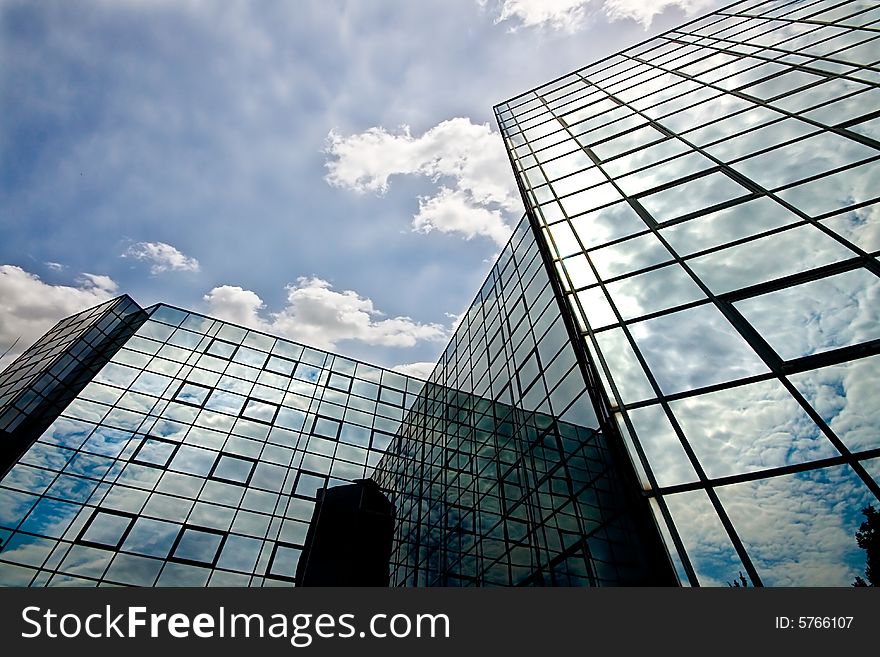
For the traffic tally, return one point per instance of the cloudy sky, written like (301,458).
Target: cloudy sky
(329,171)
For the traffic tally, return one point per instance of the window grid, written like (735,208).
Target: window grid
(564,233)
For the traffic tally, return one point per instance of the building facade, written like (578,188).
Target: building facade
(506,470)
(191,455)
(708,202)
(669,376)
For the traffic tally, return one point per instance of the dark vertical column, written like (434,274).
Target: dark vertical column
(349,539)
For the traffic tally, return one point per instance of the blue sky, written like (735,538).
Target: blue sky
(329,171)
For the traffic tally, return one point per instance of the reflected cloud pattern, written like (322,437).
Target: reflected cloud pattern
(670,372)
(502,475)
(729,300)
(192,457)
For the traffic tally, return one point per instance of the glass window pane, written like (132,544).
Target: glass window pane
(578,270)
(601,226)
(638,138)
(233,469)
(837,191)
(630,255)
(307,485)
(573,183)
(240,553)
(294,532)
(589,199)
(645,157)
(190,393)
(152,538)
(155,452)
(256,409)
(179,574)
(727,225)
(703,192)
(268,476)
(50,518)
(847,397)
(800,529)
(663,173)
(562,166)
(818,316)
(107,529)
(280,365)
(285,561)
(857,226)
(595,306)
(193,460)
(802,159)
(563,239)
(694,348)
(661,446)
(222,349)
(627,374)
(133,570)
(225,402)
(708,546)
(653,291)
(750,428)
(252,357)
(789,252)
(86,561)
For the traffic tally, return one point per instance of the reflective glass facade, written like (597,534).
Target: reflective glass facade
(53,371)
(669,376)
(192,457)
(502,473)
(708,200)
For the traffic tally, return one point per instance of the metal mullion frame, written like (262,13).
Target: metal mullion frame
(770,473)
(765,352)
(752,339)
(769,6)
(586,90)
(809,19)
(777,47)
(737,178)
(753,186)
(594,384)
(793,280)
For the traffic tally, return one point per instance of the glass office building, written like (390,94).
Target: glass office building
(708,202)
(191,454)
(669,376)
(503,474)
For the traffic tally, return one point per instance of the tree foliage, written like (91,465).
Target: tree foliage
(867,537)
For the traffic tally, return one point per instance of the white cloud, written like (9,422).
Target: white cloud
(471,156)
(320,316)
(54,266)
(163,256)
(643,12)
(29,307)
(98,282)
(565,15)
(236,305)
(420,370)
(453,212)
(572,15)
